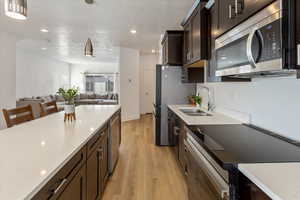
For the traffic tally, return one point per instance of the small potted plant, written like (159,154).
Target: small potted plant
(69,97)
(198,100)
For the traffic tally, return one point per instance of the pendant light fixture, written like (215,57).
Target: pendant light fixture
(16,9)
(88,50)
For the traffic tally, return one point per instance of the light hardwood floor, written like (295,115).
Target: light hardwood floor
(144,171)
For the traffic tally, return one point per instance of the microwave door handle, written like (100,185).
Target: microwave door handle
(261,44)
(249,48)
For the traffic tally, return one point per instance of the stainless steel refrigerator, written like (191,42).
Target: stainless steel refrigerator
(169,91)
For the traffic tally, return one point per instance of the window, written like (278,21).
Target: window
(100,84)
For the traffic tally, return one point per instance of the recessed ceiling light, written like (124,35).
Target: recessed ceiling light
(153,51)
(43,172)
(133,31)
(44,30)
(44,48)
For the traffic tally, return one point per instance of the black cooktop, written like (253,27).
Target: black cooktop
(230,145)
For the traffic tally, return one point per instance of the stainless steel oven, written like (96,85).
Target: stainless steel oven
(258,46)
(205,178)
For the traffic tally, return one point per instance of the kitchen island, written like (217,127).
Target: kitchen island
(36,154)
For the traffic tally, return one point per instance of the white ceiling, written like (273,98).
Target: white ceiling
(107,23)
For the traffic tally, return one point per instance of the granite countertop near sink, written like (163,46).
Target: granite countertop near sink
(280,181)
(215,119)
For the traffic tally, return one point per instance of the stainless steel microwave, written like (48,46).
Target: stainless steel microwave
(262,45)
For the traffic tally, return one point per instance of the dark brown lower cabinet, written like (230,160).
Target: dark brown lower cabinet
(93,175)
(76,190)
(182,136)
(104,161)
(97,168)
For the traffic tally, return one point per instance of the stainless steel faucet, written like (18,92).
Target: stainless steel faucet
(210,105)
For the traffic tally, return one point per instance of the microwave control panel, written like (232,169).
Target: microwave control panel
(271,37)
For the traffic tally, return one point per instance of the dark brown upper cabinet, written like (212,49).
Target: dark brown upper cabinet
(233,12)
(172,47)
(196,37)
(187,45)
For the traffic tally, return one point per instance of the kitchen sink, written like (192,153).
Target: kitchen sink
(194,112)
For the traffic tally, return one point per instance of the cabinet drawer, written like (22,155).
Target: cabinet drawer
(92,143)
(61,180)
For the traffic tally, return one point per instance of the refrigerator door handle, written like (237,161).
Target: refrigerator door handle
(154,114)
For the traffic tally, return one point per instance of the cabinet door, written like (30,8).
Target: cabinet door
(227,16)
(196,36)
(199,35)
(93,175)
(182,136)
(76,190)
(214,29)
(115,126)
(103,162)
(187,43)
(167,50)
(164,53)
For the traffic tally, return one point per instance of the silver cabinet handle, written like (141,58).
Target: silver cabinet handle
(231,14)
(238,7)
(60,186)
(100,152)
(176,130)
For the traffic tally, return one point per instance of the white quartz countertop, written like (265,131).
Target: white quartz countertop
(280,181)
(32,153)
(215,119)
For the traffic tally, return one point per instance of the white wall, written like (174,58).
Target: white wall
(271,103)
(7,74)
(148,64)
(129,84)
(78,70)
(38,75)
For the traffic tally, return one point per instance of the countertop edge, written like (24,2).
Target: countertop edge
(257,182)
(54,172)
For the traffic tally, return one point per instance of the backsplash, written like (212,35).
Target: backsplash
(270,103)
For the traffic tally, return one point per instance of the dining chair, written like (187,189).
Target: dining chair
(48,108)
(18,115)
